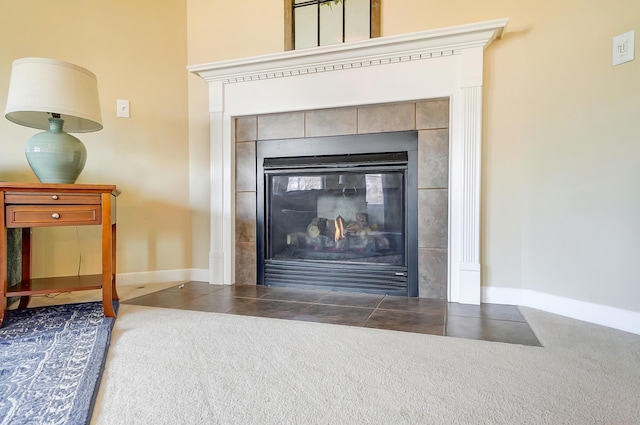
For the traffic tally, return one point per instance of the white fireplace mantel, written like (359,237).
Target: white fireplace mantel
(442,63)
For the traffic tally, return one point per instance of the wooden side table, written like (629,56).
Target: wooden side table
(27,205)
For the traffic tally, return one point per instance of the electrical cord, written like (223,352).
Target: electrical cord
(79,251)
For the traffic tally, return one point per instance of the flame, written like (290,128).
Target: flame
(339,224)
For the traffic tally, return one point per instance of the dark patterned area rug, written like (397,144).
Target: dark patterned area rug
(51,362)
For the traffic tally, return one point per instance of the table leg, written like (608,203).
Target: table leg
(113,262)
(4,268)
(107,266)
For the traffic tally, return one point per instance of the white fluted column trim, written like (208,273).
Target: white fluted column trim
(221,255)
(469,264)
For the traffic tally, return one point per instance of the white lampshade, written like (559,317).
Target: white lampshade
(54,96)
(40,87)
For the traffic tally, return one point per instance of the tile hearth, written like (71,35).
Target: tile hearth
(489,322)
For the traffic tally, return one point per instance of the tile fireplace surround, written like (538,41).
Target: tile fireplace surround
(430,118)
(418,72)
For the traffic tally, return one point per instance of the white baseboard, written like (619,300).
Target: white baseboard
(199,275)
(161,276)
(617,318)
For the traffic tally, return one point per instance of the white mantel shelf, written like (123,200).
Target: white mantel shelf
(446,62)
(404,47)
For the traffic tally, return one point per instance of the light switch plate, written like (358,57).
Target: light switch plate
(123,110)
(623,48)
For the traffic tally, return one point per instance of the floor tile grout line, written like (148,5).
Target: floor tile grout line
(368,317)
(374,310)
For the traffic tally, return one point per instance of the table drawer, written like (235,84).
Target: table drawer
(49,215)
(52,198)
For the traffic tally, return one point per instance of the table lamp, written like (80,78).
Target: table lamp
(48,94)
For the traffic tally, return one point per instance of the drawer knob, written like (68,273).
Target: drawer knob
(55,215)
(54,197)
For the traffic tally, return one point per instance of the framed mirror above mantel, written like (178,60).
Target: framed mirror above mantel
(313,23)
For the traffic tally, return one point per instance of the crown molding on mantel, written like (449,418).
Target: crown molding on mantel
(376,51)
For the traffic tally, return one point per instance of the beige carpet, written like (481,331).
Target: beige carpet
(180,367)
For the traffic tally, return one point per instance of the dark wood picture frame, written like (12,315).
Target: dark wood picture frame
(289,30)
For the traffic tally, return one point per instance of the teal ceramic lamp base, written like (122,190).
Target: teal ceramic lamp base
(56,156)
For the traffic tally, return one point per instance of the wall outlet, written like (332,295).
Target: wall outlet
(623,48)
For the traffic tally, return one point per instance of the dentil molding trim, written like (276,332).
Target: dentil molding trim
(373,52)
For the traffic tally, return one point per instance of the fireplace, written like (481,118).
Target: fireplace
(339,212)
(433,64)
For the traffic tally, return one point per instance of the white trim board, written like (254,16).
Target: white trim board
(612,317)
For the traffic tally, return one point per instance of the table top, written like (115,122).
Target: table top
(55,187)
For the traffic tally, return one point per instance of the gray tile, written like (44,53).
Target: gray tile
(335,314)
(282,293)
(281,126)
(246,166)
(415,305)
(353,299)
(432,273)
(491,330)
(331,122)
(211,303)
(381,118)
(406,321)
(486,311)
(432,114)
(433,218)
(246,129)
(433,159)
(243,291)
(246,263)
(268,308)
(246,217)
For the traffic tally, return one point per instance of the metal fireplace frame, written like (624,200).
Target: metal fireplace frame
(361,277)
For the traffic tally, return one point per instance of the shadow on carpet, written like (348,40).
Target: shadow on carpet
(51,363)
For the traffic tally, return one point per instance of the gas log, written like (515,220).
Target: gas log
(317,227)
(338,234)
(338,229)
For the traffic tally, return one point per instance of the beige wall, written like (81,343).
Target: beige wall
(561,133)
(137,49)
(561,137)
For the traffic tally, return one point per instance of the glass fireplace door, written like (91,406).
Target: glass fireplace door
(337,217)
(337,221)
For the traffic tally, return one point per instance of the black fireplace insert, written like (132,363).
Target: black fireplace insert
(339,212)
